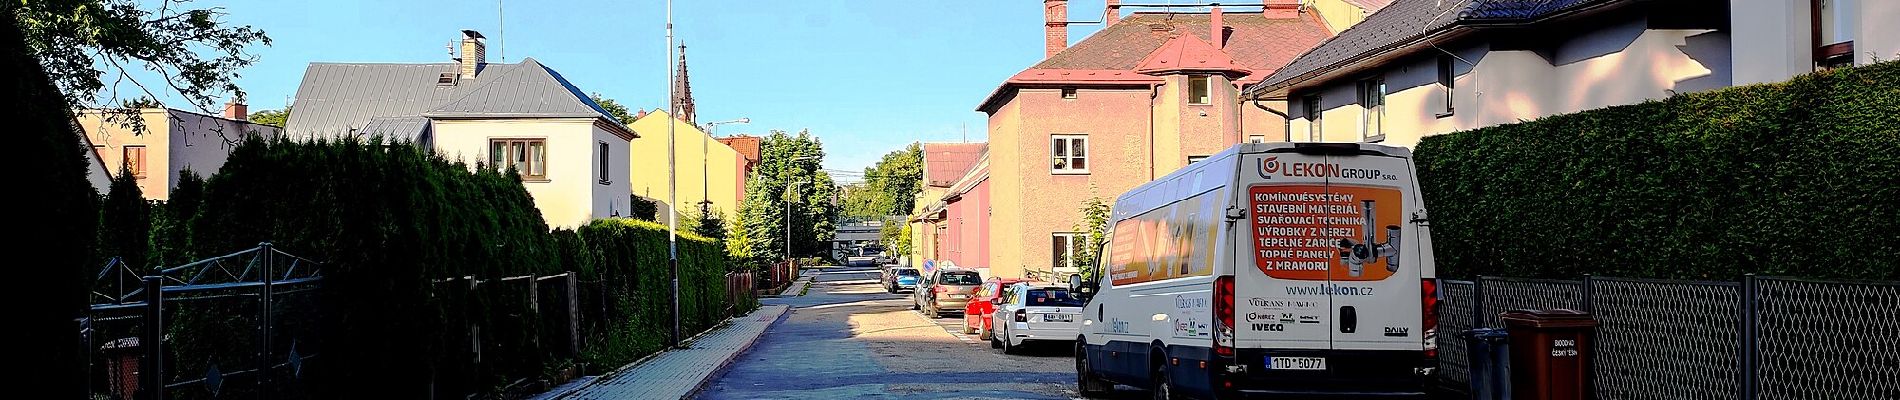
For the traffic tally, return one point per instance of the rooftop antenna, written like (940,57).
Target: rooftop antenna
(501,28)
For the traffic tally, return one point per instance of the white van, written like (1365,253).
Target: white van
(1267,269)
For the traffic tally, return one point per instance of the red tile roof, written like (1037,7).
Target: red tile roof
(1187,53)
(944,163)
(1259,42)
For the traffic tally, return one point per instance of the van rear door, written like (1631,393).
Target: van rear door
(1326,265)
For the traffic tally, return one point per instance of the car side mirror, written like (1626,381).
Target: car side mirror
(996,301)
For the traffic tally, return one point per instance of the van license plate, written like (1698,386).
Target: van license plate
(1297,363)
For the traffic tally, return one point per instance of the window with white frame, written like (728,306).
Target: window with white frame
(1200,90)
(1064,248)
(528,156)
(1446,82)
(1069,154)
(1372,106)
(1835,24)
(1256,138)
(602,158)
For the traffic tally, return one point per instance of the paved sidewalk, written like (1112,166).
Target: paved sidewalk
(678,373)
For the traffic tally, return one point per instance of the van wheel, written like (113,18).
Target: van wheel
(1162,385)
(1085,379)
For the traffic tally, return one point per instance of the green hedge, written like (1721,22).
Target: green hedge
(399,228)
(1798,178)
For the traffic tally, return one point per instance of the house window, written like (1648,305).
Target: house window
(1195,159)
(1068,93)
(1070,153)
(1063,247)
(1313,114)
(606,176)
(1256,138)
(1835,24)
(1445,82)
(1199,90)
(135,160)
(1372,103)
(529,157)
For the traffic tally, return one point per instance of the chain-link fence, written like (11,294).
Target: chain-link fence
(1764,338)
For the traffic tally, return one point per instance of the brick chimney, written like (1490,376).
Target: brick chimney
(1218,35)
(1055,26)
(474,54)
(1111,12)
(236,110)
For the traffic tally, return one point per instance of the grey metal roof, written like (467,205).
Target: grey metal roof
(343,98)
(1403,22)
(413,129)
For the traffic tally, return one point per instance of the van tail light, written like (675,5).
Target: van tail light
(1022,316)
(1224,316)
(1428,296)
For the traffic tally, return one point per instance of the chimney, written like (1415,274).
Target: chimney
(236,110)
(1111,12)
(1055,26)
(474,54)
(1218,34)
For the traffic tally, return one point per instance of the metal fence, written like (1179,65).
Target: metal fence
(1763,338)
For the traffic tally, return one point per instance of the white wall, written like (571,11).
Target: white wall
(611,199)
(567,198)
(1879,38)
(1770,40)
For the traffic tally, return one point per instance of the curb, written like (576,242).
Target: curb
(798,287)
(745,348)
(571,388)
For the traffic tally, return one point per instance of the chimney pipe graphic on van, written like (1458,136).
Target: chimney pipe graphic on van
(1357,255)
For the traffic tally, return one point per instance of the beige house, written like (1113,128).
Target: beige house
(709,173)
(174,141)
(1424,67)
(570,153)
(1144,96)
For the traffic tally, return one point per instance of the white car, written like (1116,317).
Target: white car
(1039,313)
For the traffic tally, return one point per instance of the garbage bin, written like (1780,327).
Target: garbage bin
(1490,363)
(1550,353)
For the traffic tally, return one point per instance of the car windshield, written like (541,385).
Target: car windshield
(1051,298)
(906,272)
(961,278)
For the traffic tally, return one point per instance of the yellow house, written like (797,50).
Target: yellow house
(710,174)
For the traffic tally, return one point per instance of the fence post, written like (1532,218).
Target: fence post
(1751,352)
(152,341)
(573,313)
(263,353)
(1477,302)
(1588,292)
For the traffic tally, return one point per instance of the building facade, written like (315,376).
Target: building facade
(570,153)
(1424,67)
(174,141)
(708,173)
(1148,94)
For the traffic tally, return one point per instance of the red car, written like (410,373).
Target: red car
(976,315)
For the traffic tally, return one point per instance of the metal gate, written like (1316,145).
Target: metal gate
(241,325)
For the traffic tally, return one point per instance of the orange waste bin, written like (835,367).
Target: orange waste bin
(1550,353)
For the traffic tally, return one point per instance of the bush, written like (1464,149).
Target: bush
(634,268)
(1795,178)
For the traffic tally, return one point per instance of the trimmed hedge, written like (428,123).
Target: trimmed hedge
(400,229)
(1798,178)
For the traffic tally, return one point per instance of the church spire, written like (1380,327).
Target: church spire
(683,92)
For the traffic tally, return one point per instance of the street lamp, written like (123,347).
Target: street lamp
(705,153)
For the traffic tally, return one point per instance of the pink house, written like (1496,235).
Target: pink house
(965,235)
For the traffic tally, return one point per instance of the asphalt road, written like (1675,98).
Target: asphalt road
(847,338)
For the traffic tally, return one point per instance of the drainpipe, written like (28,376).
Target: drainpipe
(1154,91)
(1286,126)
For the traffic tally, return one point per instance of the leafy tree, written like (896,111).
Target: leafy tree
(708,223)
(890,187)
(896,236)
(619,112)
(171,225)
(1094,225)
(271,117)
(80,42)
(140,103)
(788,185)
(642,208)
(62,214)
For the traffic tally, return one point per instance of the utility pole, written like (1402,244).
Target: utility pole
(672,185)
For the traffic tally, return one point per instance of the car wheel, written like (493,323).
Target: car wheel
(1008,346)
(913,306)
(995,344)
(931,312)
(1085,379)
(967,329)
(985,334)
(1162,385)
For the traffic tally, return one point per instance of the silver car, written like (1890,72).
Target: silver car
(1027,312)
(945,290)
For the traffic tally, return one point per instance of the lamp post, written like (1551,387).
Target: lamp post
(705,174)
(672,186)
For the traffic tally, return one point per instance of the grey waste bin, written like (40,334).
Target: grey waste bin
(1490,362)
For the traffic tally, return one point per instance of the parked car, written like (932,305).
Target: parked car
(897,279)
(1268,304)
(1034,312)
(947,289)
(976,316)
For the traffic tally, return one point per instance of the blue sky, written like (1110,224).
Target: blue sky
(866,77)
